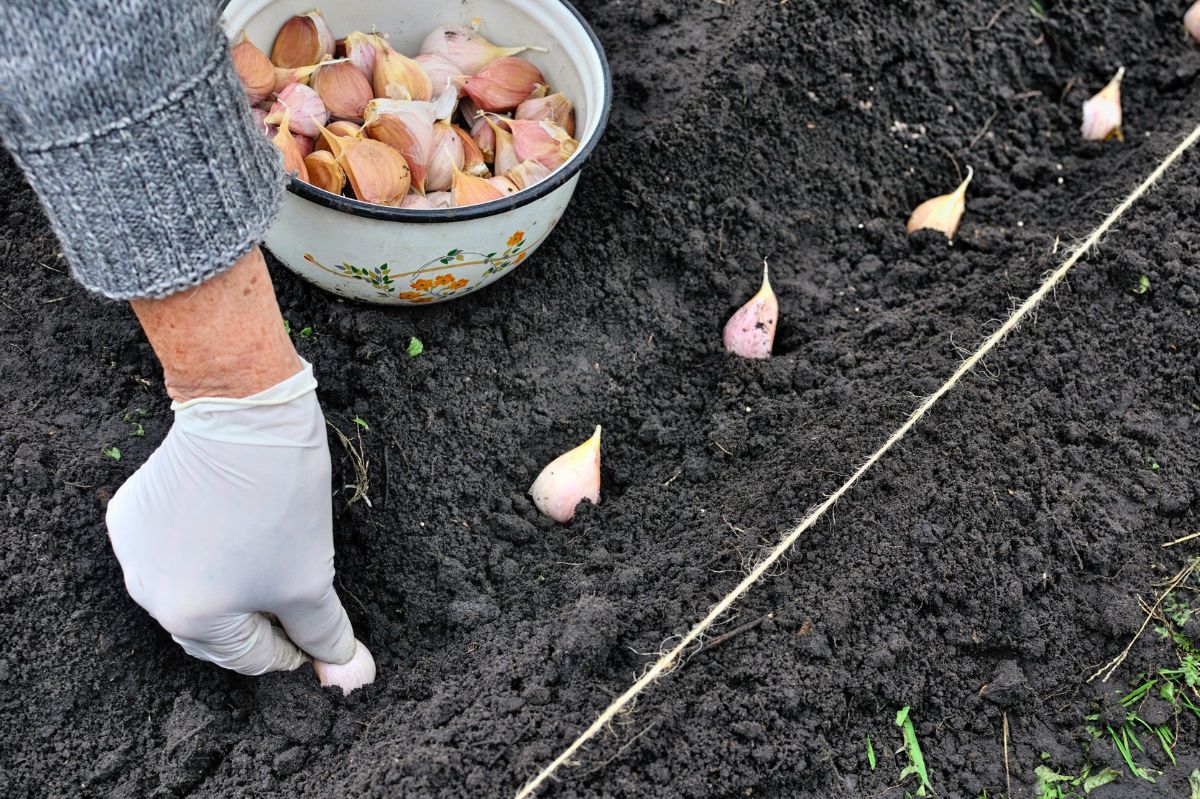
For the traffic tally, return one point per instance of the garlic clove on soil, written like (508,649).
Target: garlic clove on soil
(1191,20)
(942,213)
(1102,112)
(399,77)
(543,141)
(553,107)
(325,172)
(376,172)
(750,332)
(254,69)
(568,480)
(343,89)
(339,127)
(466,48)
(350,676)
(473,162)
(304,39)
(527,173)
(501,85)
(407,126)
(446,158)
(470,190)
(308,112)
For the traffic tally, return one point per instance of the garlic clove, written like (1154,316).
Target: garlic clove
(553,107)
(1191,20)
(1102,113)
(325,172)
(417,202)
(473,162)
(439,70)
(286,77)
(304,39)
(527,173)
(350,676)
(285,142)
(308,112)
(305,145)
(440,199)
(362,50)
(339,127)
(376,172)
(750,332)
(447,157)
(466,48)
(343,89)
(406,126)
(254,69)
(399,77)
(506,154)
(470,190)
(542,141)
(503,184)
(481,131)
(944,212)
(502,85)
(260,122)
(568,480)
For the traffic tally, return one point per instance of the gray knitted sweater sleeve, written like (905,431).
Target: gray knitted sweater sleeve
(130,124)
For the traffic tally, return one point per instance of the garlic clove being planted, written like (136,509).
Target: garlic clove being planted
(542,141)
(750,332)
(447,157)
(1191,20)
(473,163)
(1102,113)
(466,48)
(285,142)
(304,39)
(377,173)
(343,89)
(553,107)
(942,213)
(568,480)
(254,69)
(501,85)
(339,127)
(308,112)
(470,190)
(350,676)
(407,126)
(325,172)
(527,173)
(399,77)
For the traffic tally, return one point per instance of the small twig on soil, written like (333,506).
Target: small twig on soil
(983,131)
(1007,774)
(624,747)
(750,625)
(727,452)
(953,160)
(995,18)
(362,481)
(672,480)
(1187,537)
(1110,667)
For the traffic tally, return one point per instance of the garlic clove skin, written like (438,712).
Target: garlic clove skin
(308,112)
(362,50)
(376,172)
(542,141)
(568,480)
(447,157)
(254,69)
(341,127)
(466,48)
(1191,20)
(553,107)
(439,70)
(527,173)
(440,199)
(750,332)
(407,126)
(481,131)
(502,85)
(473,162)
(503,184)
(343,89)
(350,676)
(399,77)
(942,213)
(304,39)
(417,202)
(260,122)
(1102,113)
(505,158)
(470,190)
(325,172)
(285,142)
(286,77)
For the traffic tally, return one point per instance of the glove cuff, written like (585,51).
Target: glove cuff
(282,393)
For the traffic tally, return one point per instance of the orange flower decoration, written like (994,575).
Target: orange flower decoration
(408,295)
(460,284)
(443,280)
(422,285)
(516,238)
(423,300)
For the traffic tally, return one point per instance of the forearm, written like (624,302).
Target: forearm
(223,338)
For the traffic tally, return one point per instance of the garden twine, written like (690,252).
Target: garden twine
(668,660)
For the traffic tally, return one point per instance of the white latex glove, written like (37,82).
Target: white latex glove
(231,519)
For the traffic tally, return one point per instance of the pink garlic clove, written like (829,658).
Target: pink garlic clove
(568,480)
(750,332)
(350,676)
(1102,113)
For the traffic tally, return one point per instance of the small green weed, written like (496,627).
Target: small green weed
(1052,785)
(1037,9)
(1143,285)
(361,422)
(111,452)
(870,753)
(912,747)
(415,347)
(132,418)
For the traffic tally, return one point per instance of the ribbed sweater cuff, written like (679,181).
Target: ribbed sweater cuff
(167,197)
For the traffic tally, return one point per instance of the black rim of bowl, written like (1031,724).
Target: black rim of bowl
(525,197)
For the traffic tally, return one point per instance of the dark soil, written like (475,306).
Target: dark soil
(987,566)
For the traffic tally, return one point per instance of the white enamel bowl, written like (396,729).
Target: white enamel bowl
(395,256)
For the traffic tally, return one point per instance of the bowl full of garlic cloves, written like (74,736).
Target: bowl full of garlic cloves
(431,147)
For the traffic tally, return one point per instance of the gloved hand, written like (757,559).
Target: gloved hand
(231,519)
